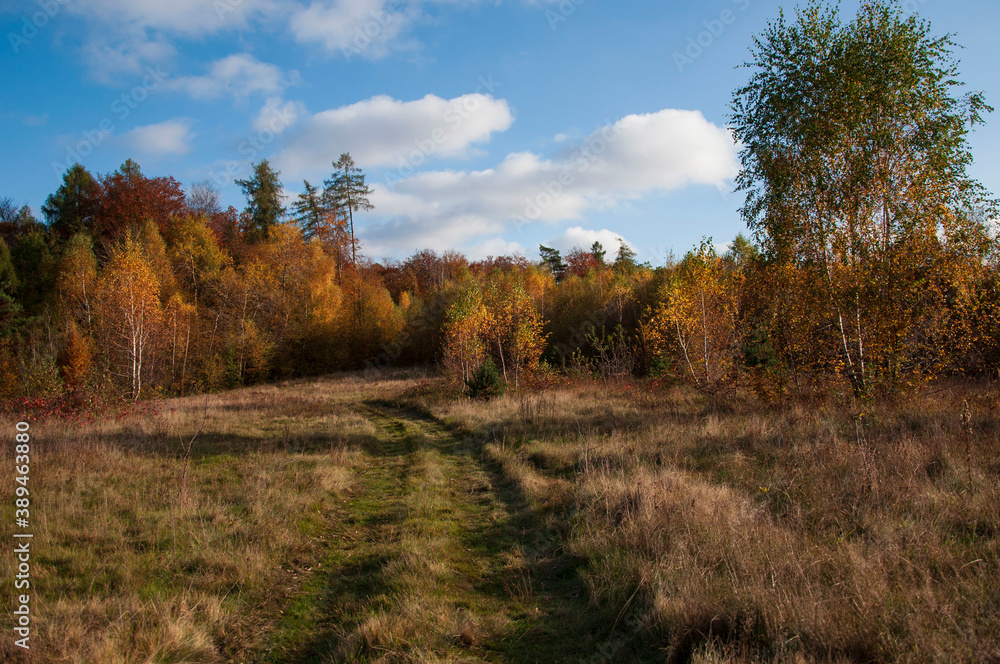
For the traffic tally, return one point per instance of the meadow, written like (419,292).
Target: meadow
(352,519)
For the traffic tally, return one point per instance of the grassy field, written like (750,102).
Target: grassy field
(345,520)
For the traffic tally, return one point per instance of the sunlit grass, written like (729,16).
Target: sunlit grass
(738,531)
(323,521)
(177,537)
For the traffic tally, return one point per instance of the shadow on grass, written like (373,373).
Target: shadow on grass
(334,605)
(553,618)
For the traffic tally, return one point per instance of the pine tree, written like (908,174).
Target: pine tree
(264,208)
(597,249)
(553,261)
(625,259)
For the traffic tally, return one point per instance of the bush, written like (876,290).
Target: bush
(486,382)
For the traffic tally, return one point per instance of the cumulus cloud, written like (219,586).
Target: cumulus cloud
(367,28)
(125,36)
(383,131)
(278,115)
(579,237)
(237,75)
(634,157)
(370,29)
(172,137)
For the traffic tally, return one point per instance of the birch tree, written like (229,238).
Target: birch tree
(854,165)
(130,311)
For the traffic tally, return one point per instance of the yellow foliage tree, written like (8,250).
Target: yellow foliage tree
(697,322)
(130,312)
(181,320)
(77,278)
(194,253)
(512,326)
(465,321)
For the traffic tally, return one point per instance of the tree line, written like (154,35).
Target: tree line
(872,262)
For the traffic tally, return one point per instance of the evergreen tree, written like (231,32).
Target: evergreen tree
(263,192)
(346,192)
(72,207)
(625,260)
(597,249)
(9,286)
(553,261)
(310,212)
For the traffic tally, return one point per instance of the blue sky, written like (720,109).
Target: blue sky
(487,126)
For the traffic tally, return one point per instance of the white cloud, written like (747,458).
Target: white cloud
(722,248)
(124,36)
(236,75)
(634,157)
(578,237)
(666,150)
(383,131)
(494,247)
(367,28)
(123,33)
(278,115)
(109,60)
(186,17)
(172,137)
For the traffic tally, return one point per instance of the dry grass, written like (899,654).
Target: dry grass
(713,531)
(152,548)
(735,532)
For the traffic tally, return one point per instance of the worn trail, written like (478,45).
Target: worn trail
(435,556)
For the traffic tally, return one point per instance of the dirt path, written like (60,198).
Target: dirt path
(436,557)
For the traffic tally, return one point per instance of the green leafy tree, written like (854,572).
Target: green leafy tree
(9,283)
(32,258)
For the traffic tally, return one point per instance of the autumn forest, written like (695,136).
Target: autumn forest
(241,437)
